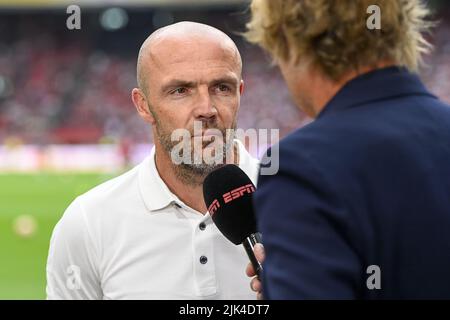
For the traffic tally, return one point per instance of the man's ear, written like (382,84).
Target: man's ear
(142,107)
(241,87)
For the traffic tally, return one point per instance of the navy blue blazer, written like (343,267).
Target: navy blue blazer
(364,186)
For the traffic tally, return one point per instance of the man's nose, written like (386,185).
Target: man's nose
(204,108)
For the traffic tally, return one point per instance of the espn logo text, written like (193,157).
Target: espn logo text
(230,196)
(238,192)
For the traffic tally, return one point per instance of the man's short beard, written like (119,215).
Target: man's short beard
(194,173)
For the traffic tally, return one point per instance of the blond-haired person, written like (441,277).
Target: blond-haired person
(360,207)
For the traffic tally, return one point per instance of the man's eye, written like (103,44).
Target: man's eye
(179,91)
(223,88)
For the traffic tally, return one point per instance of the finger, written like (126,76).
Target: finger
(250,271)
(259,296)
(260,254)
(255,284)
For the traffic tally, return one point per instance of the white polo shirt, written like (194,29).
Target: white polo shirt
(132,238)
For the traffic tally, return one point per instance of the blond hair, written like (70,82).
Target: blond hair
(333,34)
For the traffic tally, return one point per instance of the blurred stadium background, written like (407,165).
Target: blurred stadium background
(67,122)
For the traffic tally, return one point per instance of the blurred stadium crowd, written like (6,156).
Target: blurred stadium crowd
(61,86)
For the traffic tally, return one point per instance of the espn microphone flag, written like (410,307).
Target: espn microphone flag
(227,192)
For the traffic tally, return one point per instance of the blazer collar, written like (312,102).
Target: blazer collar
(376,85)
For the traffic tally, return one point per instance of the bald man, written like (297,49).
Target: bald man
(147,233)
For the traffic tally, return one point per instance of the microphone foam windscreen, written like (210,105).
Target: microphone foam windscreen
(227,192)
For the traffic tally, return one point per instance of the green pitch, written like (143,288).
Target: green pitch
(45,197)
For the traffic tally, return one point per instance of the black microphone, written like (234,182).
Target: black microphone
(227,192)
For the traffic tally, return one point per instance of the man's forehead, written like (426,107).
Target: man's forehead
(186,30)
(190,50)
(187,45)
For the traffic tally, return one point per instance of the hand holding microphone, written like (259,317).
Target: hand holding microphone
(227,192)
(255,283)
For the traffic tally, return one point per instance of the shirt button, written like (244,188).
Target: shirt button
(202,226)
(203,260)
